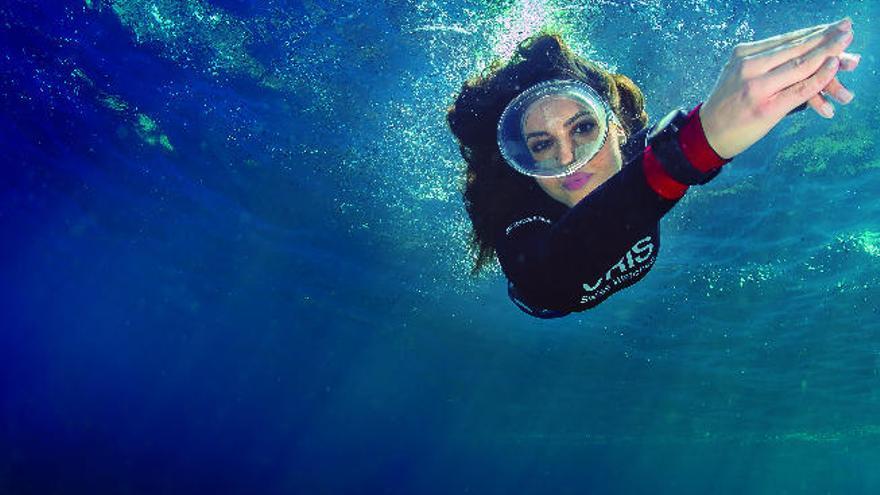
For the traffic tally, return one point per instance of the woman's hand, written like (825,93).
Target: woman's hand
(764,80)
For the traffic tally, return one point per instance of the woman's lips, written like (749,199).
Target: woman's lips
(576,180)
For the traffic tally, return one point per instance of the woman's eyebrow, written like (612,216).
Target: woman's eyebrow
(567,123)
(536,134)
(576,116)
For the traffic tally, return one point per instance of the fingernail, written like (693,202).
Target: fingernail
(827,110)
(844,96)
(843,37)
(831,63)
(844,23)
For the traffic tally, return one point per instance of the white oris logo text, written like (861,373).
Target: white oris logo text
(640,252)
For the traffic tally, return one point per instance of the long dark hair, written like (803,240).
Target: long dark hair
(493,191)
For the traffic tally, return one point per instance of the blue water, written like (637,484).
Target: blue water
(234,260)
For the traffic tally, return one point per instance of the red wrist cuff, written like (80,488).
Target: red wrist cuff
(659,179)
(693,143)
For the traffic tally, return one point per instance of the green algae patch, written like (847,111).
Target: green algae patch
(165,143)
(144,126)
(113,102)
(744,186)
(148,130)
(847,146)
(192,31)
(82,78)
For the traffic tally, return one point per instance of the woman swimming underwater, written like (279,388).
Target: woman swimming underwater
(566,183)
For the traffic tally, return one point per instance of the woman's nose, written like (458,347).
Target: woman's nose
(566,152)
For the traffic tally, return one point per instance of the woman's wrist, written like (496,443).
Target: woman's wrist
(695,146)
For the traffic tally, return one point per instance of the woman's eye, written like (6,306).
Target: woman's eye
(584,127)
(540,146)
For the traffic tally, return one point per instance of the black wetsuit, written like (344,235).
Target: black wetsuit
(560,260)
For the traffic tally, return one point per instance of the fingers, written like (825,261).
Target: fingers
(849,61)
(800,68)
(761,63)
(823,106)
(838,92)
(820,102)
(786,100)
(747,49)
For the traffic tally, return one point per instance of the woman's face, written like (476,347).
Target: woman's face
(555,127)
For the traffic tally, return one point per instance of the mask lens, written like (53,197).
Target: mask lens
(552,129)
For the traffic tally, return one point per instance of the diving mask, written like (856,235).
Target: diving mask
(553,128)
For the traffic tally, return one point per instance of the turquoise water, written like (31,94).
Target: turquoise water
(234,260)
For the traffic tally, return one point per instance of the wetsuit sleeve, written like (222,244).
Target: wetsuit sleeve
(549,261)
